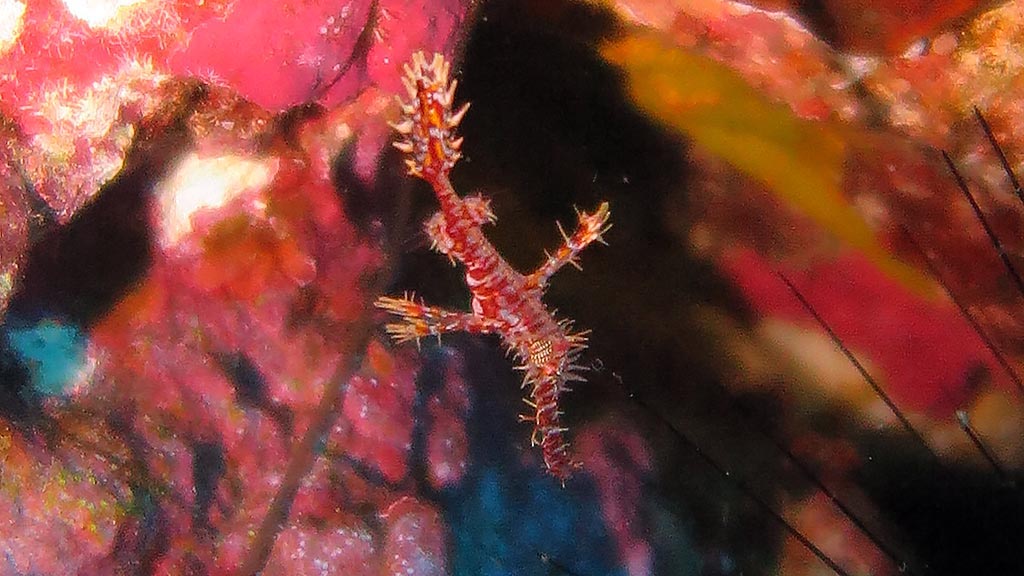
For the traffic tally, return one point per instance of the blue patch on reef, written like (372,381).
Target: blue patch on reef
(52,352)
(514,522)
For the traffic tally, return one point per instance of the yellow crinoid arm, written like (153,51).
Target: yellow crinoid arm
(428,123)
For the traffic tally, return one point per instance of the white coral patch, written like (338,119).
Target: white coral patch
(12,18)
(199,183)
(82,134)
(97,13)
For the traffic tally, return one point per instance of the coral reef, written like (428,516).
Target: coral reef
(806,342)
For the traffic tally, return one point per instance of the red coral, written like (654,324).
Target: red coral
(304,48)
(447,444)
(415,541)
(58,512)
(315,50)
(879,27)
(85,79)
(380,414)
(926,352)
(226,280)
(330,550)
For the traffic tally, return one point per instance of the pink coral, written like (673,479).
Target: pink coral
(76,122)
(926,351)
(618,459)
(315,51)
(415,541)
(332,550)
(380,413)
(232,338)
(447,443)
(58,512)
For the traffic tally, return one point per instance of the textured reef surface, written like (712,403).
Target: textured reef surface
(806,329)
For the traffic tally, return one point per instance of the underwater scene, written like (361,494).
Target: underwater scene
(536,287)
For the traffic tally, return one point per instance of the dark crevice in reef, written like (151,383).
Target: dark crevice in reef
(957,520)
(208,467)
(251,391)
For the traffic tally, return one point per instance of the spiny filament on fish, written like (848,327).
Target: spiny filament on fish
(504,302)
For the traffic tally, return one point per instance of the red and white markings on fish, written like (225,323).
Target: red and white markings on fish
(505,302)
